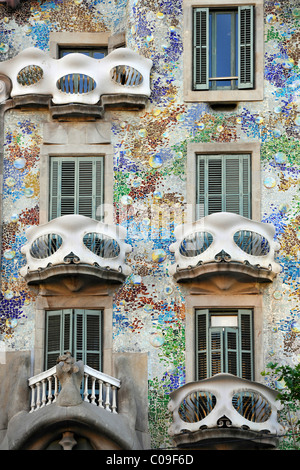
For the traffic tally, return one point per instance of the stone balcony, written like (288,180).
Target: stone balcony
(225,411)
(74,249)
(225,243)
(76,84)
(74,407)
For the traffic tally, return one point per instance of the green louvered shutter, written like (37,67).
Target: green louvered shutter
(78,331)
(246,343)
(59,335)
(231,351)
(216,348)
(201,49)
(88,335)
(246,46)
(223,184)
(76,186)
(224,349)
(201,344)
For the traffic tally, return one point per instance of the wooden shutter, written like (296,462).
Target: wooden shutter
(216,348)
(87,337)
(246,46)
(201,49)
(58,335)
(223,184)
(201,344)
(246,343)
(76,186)
(231,351)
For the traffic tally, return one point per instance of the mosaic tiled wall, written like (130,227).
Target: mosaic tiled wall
(149,164)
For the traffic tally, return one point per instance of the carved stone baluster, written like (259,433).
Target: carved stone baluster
(55,388)
(32,398)
(38,395)
(93,396)
(50,396)
(114,399)
(85,391)
(107,400)
(100,403)
(44,398)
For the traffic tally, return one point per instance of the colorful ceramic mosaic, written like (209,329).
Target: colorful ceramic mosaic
(150,180)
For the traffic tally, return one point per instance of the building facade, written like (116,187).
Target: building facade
(150,221)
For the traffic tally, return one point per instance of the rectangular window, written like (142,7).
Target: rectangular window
(95,52)
(224,343)
(78,331)
(223,44)
(223,184)
(76,186)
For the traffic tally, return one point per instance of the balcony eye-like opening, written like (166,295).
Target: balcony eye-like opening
(45,246)
(252,406)
(76,83)
(101,245)
(196,406)
(195,244)
(252,243)
(126,75)
(30,75)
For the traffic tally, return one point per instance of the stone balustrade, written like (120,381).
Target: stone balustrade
(97,388)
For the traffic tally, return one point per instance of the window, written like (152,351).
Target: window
(223,51)
(95,52)
(223,48)
(76,186)
(224,343)
(223,184)
(76,330)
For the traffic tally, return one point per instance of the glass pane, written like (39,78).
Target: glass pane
(223,44)
(224,320)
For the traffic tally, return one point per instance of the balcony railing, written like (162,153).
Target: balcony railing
(75,243)
(77,78)
(224,401)
(97,388)
(227,239)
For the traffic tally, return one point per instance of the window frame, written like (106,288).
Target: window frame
(76,197)
(73,339)
(222,331)
(85,40)
(223,96)
(244,190)
(215,299)
(88,140)
(223,148)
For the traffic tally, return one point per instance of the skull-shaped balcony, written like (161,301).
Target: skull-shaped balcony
(225,412)
(76,84)
(75,250)
(225,243)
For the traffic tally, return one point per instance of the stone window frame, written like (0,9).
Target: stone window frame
(222,96)
(101,301)
(87,141)
(196,301)
(195,148)
(73,39)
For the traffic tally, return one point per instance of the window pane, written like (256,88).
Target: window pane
(223,45)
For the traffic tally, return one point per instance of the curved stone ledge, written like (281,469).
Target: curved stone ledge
(239,270)
(74,277)
(35,431)
(222,439)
